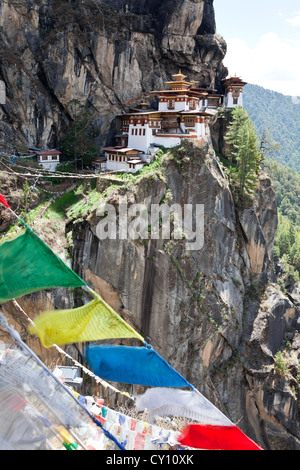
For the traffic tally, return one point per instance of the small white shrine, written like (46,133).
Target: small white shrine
(234,92)
(100,164)
(48,159)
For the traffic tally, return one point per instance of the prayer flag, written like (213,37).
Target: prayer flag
(93,322)
(184,403)
(209,437)
(28,265)
(133,365)
(3,201)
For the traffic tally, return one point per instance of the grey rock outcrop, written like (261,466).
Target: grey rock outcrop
(216,314)
(102,53)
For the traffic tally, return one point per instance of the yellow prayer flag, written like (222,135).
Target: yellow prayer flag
(93,322)
(65,435)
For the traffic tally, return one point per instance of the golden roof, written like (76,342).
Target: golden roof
(179,82)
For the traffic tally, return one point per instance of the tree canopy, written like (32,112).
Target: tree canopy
(280,115)
(243,153)
(287,243)
(78,145)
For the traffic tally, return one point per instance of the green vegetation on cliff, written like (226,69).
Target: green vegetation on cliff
(280,115)
(78,145)
(287,244)
(287,186)
(243,155)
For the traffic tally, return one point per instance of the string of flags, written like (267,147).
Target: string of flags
(16,157)
(133,433)
(137,434)
(39,174)
(28,265)
(43,172)
(98,380)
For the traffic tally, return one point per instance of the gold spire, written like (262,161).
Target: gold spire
(179,82)
(179,76)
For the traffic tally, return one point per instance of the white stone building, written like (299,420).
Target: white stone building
(234,92)
(100,164)
(123,159)
(184,112)
(48,159)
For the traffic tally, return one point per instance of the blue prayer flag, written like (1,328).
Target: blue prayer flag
(133,365)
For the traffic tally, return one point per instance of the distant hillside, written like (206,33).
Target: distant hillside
(280,115)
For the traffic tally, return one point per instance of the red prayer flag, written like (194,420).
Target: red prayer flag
(3,201)
(210,437)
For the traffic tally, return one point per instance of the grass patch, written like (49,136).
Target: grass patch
(58,209)
(280,365)
(84,205)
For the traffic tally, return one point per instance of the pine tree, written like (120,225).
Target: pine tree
(243,154)
(78,144)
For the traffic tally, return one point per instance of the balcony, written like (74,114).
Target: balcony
(170,127)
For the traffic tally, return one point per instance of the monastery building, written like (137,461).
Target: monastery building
(184,112)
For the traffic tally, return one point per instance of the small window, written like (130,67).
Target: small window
(171,104)
(190,122)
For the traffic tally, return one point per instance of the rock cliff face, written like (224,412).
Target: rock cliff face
(102,53)
(216,313)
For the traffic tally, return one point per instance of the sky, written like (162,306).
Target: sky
(263,42)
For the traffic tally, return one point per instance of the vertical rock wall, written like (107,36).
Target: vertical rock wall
(102,53)
(215,313)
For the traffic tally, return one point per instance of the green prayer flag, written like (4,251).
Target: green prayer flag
(28,265)
(94,321)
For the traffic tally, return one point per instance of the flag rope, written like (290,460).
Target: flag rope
(44,173)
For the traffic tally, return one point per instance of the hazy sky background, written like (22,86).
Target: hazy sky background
(263,42)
